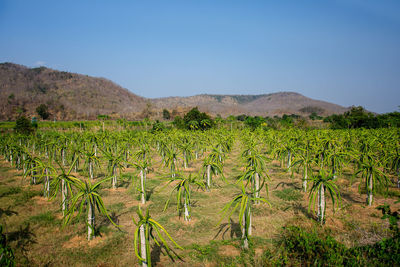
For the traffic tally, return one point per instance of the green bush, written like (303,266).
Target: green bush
(195,117)
(158,127)
(6,254)
(311,249)
(23,125)
(43,111)
(299,247)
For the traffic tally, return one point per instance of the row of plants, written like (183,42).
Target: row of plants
(66,163)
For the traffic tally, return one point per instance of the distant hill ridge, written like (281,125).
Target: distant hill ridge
(68,95)
(75,96)
(261,105)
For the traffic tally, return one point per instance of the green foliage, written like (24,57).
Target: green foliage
(6,254)
(195,119)
(242,202)
(179,123)
(80,125)
(241,117)
(209,253)
(393,217)
(299,247)
(314,116)
(152,230)
(166,114)
(43,111)
(358,117)
(370,170)
(23,125)
(34,123)
(311,248)
(117,206)
(158,127)
(323,182)
(103,117)
(87,195)
(25,197)
(44,219)
(287,120)
(288,194)
(183,193)
(254,122)
(7,191)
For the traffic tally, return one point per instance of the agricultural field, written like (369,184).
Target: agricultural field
(112,195)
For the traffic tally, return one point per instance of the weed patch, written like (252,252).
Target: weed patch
(288,194)
(25,197)
(7,191)
(300,247)
(43,219)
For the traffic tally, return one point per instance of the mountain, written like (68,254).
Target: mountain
(68,95)
(255,105)
(74,96)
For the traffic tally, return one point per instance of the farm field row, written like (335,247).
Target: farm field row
(191,182)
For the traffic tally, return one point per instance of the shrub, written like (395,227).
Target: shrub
(196,118)
(166,114)
(254,122)
(6,254)
(43,111)
(311,249)
(158,127)
(23,125)
(300,247)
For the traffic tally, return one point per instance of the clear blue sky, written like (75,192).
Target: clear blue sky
(342,51)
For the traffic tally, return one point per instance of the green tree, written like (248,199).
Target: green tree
(166,114)
(203,121)
(23,125)
(254,122)
(43,111)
